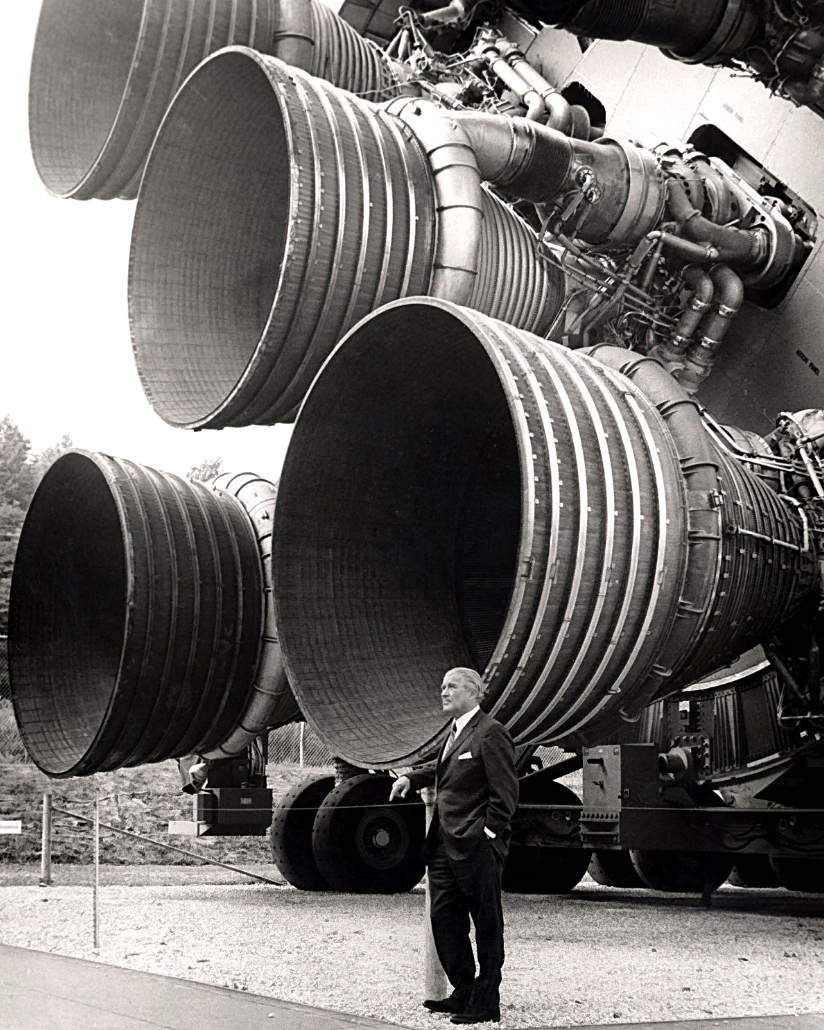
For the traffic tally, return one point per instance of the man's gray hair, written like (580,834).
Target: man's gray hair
(468,677)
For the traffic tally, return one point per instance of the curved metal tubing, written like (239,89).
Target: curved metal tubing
(459,492)
(281,211)
(271,702)
(135,617)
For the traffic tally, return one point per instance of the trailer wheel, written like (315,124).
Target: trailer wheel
(799,874)
(532,869)
(364,844)
(753,871)
(614,869)
(690,872)
(291,836)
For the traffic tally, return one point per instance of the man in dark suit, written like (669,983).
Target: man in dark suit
(476,796)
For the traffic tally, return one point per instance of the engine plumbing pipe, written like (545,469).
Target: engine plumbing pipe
(728,298)
(459,492)
(745,248)
(701,284)
(510,76)
(557,106)
(538,163)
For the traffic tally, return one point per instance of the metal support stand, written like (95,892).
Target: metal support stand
(435,984)
(45,842)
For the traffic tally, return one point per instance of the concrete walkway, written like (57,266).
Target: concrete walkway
(42,991)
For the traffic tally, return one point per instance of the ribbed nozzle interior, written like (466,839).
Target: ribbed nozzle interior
(73,99)
(70,598)
(395,545)
(209,238)
(275,212)
(135,617)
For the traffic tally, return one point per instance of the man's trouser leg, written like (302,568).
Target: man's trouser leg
(479,878)
(449,913)
(469,887)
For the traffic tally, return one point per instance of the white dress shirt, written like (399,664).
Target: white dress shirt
(459,723)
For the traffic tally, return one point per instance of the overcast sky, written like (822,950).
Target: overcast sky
(67,362)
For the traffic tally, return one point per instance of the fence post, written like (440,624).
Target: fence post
(434,978)
(300,743)
(45,842)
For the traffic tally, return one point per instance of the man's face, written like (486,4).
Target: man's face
(457,698)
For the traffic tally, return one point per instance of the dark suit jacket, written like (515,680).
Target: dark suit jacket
(474,791)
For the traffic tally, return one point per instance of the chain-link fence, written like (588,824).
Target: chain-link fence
(298,744)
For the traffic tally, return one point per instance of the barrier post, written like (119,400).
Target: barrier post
(96,899)
(45,842)
(300,742)
(435,984)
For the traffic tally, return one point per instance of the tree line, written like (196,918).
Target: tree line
(21,470)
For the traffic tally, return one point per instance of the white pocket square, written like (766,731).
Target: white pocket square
(466,754)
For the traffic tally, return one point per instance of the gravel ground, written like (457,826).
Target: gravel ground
(598,955)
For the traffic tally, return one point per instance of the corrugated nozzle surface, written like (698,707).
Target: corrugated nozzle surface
(135,617)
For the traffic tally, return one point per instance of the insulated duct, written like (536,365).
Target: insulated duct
(103,75)
(271,702)
(276,211)
(137,622)
(458,492)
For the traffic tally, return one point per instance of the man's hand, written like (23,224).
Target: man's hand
(400,788)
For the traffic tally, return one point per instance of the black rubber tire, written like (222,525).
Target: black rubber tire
(291,834)
(799,874)
(531,869)
(614,869)
(363,844)
(687,872)
(753,871)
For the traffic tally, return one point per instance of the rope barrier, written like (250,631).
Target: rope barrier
(169,847)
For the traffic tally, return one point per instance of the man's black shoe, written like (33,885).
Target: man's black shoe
(477,1016)
(456,1002)
(442,1005)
